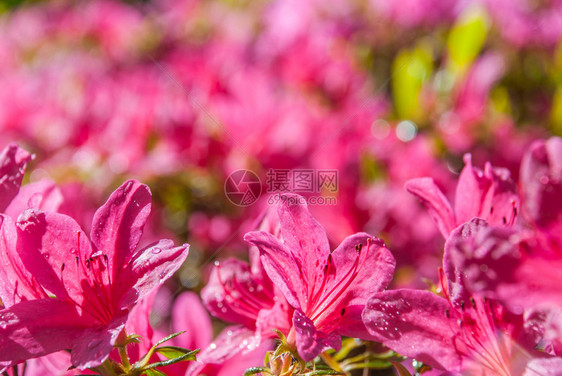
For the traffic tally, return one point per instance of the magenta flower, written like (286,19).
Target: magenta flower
(460,331)
(521,268)
(243,294)
(94,282)
(489,194)
(327,290)
(12,167)
(189,315)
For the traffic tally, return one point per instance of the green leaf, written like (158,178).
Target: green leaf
(144,360)
(154,372)
(402,371)
(168,338)
(255,370)
(466,39)
(280,335)
(189,356)
(410,69)
(171,352)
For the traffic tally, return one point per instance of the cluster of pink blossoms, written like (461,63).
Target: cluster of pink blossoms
(496,310)
(414,260)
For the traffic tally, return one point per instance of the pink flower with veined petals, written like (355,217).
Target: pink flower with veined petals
(243,294)
(95,282)
(460,332)
(521,268)
(16,283)
(490,194)
(327,289)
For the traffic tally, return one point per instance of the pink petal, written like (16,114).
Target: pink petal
(280,266)
(468,240)
(500,205)
(43,195)
(237,365)
(489,194)
(234,363)
(16,283)
(227,293)
(188,314)
(92,348)
(138,323)
(233,340)
(415,324)
(544,367)
(471,188)
(360,267)
(310,341)
(279,317)
(13,160)
(541,183)
(497,262)
(38,327)
(351,323)
(520,284)
(55,364)
(146,271)
(268,223)
(374,273)
(117,225)
(54,249)
(436,203)
(305,239)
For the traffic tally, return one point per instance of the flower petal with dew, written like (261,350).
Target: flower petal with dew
(95,283)
(489,194)
(325,288)
(13,160)
(458,332)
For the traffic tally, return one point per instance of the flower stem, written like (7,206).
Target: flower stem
(124,358)
(121,345)
(327,358)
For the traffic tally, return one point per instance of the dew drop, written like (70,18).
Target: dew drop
(127,187)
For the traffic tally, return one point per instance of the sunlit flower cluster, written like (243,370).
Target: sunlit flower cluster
(281,187)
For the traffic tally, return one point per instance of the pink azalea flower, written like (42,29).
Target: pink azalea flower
(489,194)
(16,283)
(95,282)
(522,268)
(189,315)
(461,331)
(243,294)
(327,289)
